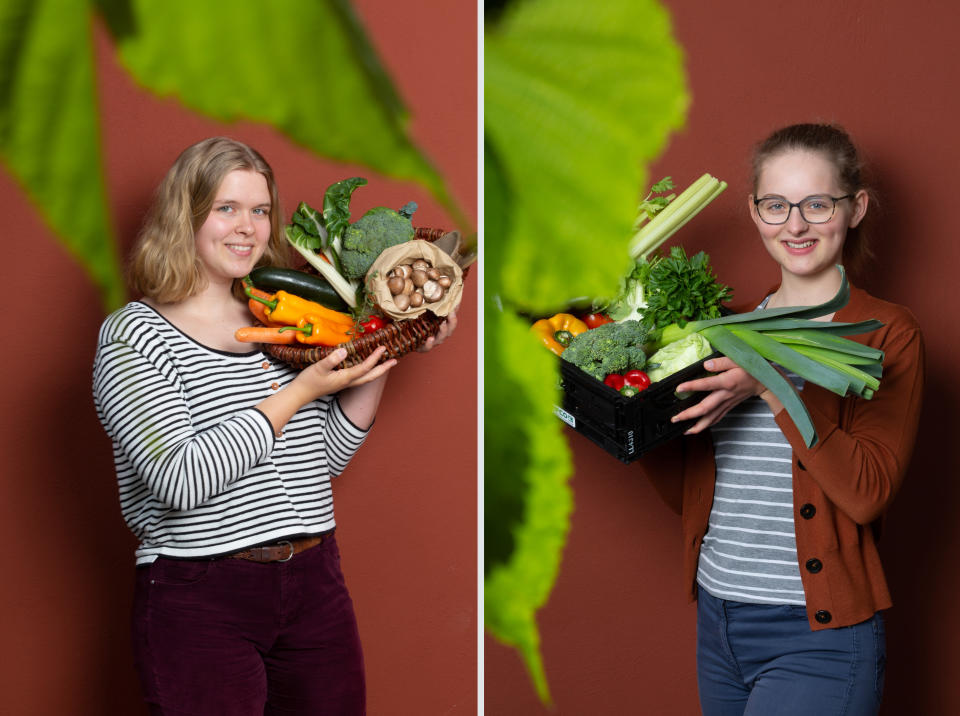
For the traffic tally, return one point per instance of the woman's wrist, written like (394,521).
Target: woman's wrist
(772,401)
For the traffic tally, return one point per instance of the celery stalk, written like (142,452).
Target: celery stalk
(684,207)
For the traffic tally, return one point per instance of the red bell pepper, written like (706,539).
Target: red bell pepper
(374,323)
(614,380)
(637,378)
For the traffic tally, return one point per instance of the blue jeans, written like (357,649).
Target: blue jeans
(764,660)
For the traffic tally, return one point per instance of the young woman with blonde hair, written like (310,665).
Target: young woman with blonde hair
(224,459)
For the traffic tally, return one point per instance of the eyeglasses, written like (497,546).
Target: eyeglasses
(814,209)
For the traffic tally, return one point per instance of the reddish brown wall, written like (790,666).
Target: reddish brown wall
(406,507)
(618,636)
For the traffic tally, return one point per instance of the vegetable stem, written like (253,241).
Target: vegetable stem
(347,291)
(677,213)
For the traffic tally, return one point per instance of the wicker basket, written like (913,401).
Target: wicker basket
(399,337)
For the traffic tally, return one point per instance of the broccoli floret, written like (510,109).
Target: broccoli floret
(378,229)
(609,348)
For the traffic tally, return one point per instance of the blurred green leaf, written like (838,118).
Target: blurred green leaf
(305,67)
(577,97)
(302,66)
(526,467)
(49,136)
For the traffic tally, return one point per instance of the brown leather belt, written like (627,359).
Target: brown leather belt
(281,551)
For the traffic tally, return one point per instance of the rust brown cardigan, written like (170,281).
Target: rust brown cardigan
(842,486)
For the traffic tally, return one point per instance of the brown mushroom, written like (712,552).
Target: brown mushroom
(416,299)
(403,271)
(432,291)
(419,277)
(395,284)
(402,302)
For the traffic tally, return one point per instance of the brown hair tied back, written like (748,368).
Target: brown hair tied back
(164,265)
(833,143)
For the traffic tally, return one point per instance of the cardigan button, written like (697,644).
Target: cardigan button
(823,616)
(807,511)
(814,565)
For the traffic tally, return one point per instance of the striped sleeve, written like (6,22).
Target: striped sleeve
(343,438)
(141,407)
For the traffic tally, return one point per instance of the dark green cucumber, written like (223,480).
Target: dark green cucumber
(299,283)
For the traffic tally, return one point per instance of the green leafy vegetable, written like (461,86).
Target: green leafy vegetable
(680,289)
(678,355)
(653,205)
(336,209)
(630,300)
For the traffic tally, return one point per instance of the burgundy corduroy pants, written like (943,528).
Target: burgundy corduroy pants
(229,637)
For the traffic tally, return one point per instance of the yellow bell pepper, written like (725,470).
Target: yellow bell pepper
(557,331)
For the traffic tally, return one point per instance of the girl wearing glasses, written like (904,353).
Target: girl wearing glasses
(781,539)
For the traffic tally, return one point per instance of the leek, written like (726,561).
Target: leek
(817,351)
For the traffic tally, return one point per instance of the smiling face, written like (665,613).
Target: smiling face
(237,229)
(803,249)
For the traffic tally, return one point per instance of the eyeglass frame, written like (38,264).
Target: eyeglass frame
(834,199)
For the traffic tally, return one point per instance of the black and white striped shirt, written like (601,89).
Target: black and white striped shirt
(200,471)
(749,553)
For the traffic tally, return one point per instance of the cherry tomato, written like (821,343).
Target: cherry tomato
(374,323)
(614,380)
(637,378)
(596,319)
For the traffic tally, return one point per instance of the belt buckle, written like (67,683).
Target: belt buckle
(290,544)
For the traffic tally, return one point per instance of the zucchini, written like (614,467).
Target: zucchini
(299,283)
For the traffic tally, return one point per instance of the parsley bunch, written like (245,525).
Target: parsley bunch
(680,289)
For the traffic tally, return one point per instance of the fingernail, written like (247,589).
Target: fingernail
(708,365)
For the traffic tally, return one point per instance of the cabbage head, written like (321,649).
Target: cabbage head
(676,356)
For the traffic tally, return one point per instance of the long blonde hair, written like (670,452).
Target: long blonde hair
(164,265)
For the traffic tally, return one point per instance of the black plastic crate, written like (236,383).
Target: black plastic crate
(626,427)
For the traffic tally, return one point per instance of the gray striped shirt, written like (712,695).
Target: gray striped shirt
(200,471)
(749,553)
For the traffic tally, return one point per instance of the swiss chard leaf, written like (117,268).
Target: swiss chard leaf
(336,206)
(298,237)
(310,220)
